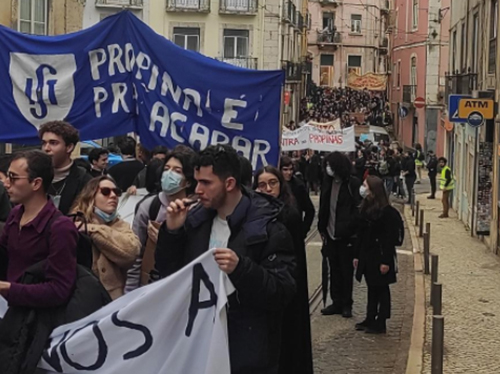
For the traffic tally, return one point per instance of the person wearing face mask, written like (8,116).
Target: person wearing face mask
(296,349)
(338,209)
(176,178)
(375,259)
(114,244)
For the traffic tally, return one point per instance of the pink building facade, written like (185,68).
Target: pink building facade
(419,60)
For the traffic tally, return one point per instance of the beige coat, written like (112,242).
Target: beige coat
(115,248)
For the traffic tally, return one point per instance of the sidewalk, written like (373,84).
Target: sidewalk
(470,276)
(339,349)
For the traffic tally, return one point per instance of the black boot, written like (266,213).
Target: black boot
(379,327)
(362,326)
(331,310)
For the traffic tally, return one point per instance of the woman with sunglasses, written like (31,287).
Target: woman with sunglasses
(114,245)
(296,350)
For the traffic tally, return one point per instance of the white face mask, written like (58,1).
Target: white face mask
(329,171)
(363,191)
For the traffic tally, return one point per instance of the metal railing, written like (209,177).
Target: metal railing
(188,5)
(457,83)
(329,37)
(120,3)
(242,62)
(293,71)
(409,93)
(384,42)
(239,6)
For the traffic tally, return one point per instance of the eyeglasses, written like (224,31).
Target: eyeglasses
(106,191)
(272,183)
(13,177)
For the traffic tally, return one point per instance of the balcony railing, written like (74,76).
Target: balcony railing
(463,83)
(385,7)
(330,2)
(188,5)
(238,7)
(329,37)
(300,21)
(131,4)
(293,71)
(384,42)
(242,62)
(409,94)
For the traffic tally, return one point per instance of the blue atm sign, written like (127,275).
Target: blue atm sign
(453,104)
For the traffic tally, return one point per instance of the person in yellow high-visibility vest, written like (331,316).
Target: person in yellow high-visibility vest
(447,185)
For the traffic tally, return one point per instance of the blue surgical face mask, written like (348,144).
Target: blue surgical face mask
(171,182)
(106,217)
(363,191)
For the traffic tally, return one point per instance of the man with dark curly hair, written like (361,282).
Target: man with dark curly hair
(59,139)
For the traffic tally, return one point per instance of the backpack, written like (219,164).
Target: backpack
(84,244)
(383,167)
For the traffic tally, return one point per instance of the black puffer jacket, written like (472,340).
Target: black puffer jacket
(263,278)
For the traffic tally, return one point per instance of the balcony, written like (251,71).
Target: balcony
(293,71)
(409,94)
(385,7)
(329,37)
(188,6)
(244,7)
(463,83)
(335,3)
(129,4)
(300,21)
(384,45)
(242,62)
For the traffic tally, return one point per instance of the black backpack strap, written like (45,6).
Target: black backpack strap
(141,201)
(154,208)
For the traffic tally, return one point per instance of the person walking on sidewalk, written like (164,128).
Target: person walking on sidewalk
(432,166)
(408,167)
(447,185)
(379,231)
(419,161)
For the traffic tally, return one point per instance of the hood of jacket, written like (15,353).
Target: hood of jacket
(251,215)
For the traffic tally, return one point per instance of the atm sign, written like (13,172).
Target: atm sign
(484,106)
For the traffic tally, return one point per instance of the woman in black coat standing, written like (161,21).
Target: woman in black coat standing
(296,348)
(375,257)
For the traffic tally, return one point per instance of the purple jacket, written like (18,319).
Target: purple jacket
(29,246)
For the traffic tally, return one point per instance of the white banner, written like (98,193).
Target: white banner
(174,326)
(310,137)
(333,125)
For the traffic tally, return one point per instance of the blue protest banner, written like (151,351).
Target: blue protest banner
(453,101)
(120,76)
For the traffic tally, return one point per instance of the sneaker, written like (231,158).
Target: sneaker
(331,310)
(347,312)
(362,326)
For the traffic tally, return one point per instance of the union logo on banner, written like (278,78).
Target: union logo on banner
(43,85)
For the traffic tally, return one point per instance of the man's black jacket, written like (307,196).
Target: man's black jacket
(304,203)
(263,278)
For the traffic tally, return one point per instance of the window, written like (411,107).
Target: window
(326,70)
(454,52)
(236,43)
(413,77)
(399,74)
(493,37)
(326,60)
(33,17)
(462,49)
(415,15)
(475,41)
(354,65)
(328,21)
(356,23)
(187,38)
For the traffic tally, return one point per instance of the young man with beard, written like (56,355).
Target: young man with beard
(250,246)
(59,139)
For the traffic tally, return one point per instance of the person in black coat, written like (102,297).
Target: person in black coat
(338,209)
(408,167)
(375,258)
(299,192)
(296,348)
(432,167)
(360,165)
(250,246)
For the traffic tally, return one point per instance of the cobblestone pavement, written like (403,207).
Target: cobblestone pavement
(339,349)
(470,275)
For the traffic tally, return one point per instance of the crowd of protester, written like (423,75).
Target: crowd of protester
(257,223)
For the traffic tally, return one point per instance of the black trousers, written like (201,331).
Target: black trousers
(410,182)
(379,303)
(432,178)
(340,256)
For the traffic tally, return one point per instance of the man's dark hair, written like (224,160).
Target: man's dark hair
(127,146)
(443,159)
(285,162)
(186,157)
(160,149)
(223,158)
(96,153)
(4,163)
(39,166)
(340,164)
(63,129)
(246,172)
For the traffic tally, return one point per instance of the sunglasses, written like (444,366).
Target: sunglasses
(106,191)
